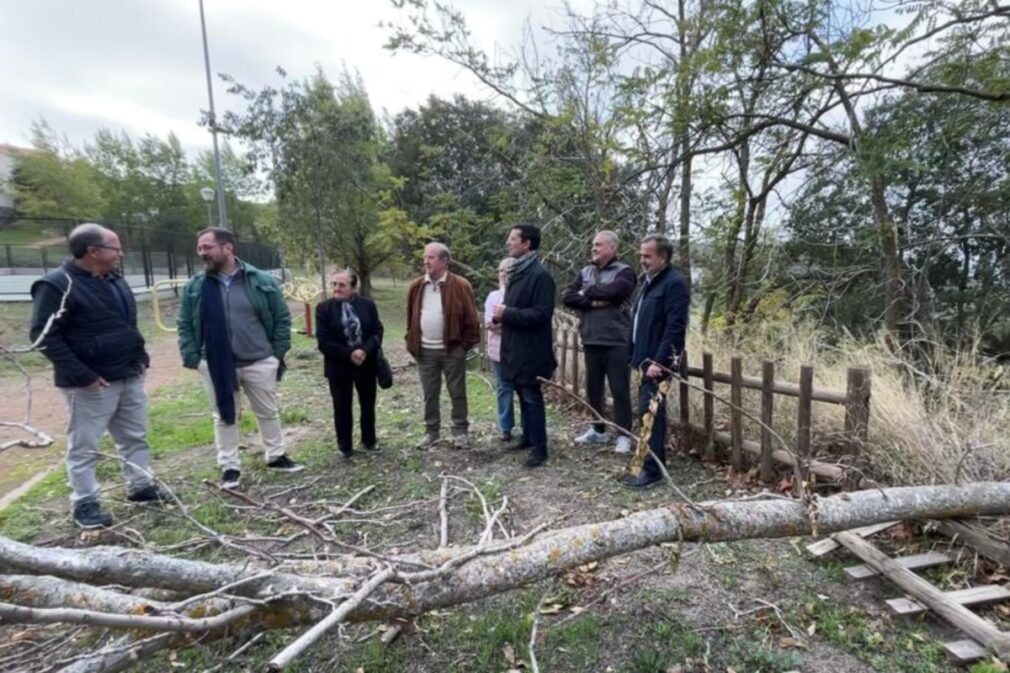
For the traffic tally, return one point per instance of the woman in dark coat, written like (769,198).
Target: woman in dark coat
(349,334)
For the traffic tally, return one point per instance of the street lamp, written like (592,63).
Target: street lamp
(207,194)
(213,125)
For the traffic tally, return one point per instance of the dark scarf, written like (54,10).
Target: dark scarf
(520,264)
(217,347)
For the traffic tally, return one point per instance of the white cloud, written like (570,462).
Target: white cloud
(138,64)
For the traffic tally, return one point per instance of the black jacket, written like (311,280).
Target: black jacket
(527,348)
(333,342)
(614,284)
(93,337)
(661,308)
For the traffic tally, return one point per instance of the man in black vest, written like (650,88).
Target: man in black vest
(527,351)
(98,361)
(601,293)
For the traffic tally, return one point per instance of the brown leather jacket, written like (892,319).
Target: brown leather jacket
(459,310)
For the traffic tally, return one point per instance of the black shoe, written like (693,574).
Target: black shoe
(643,481)
(346,453)
(285,464)
(230,478)
(372,448)
(505,437)
(536,459)
(521,446)
(89,515)
(150,493)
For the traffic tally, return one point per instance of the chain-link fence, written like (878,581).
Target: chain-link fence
(149,255)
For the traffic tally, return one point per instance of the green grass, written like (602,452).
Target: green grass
(27,234)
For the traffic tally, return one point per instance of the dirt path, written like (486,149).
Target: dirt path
(49,414)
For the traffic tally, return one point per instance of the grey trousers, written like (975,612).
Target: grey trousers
(432,364)
(120,408)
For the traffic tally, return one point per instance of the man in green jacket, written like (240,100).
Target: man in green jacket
(234,328)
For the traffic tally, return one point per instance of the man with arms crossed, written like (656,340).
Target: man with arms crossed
(601,293)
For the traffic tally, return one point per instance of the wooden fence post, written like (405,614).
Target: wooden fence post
(685,409)
(803,415)
(575,363)
(564,358)
(736,417)
(709,404)
(857,408)
(767,406)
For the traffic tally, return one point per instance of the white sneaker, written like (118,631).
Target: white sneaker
(623,444)
(591,436)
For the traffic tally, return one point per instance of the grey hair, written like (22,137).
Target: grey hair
(611,237)
(506,263)
(664,246)
(443,250)
(349,272)
(85,236)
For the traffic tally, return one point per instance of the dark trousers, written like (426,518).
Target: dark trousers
(657,440)
(611,363)
(534,417)
(342,392)
(432,364)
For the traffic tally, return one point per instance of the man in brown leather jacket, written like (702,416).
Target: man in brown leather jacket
(442,325)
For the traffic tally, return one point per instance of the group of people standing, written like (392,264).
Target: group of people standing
(235,328)
(620,330)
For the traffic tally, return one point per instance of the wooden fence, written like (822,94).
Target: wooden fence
(855,400)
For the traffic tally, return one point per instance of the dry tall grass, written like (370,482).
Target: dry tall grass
(928,424)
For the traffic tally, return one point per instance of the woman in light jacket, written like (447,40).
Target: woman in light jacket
(506,393)
(349,334)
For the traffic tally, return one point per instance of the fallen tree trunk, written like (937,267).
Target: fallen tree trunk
(455,576)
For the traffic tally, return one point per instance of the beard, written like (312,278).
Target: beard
(211,265)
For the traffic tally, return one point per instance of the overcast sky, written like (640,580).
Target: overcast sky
(138,64)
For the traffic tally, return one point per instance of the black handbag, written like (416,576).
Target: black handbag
(383,372)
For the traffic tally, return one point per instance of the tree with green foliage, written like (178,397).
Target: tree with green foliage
(319,144)
(53,180)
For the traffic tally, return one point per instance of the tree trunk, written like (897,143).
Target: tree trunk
(497,569)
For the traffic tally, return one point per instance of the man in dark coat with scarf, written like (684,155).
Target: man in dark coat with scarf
(526,343)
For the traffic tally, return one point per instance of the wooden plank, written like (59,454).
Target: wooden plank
(736,417)
(575,363)
(857,407)
(767,467)
(564,358)
(926,560)
(781,388)
(803,416)
(965,651)
(787,458)
(981,630)
(709,407)
(977,539)
(685,409)
(990,593)
(829,544)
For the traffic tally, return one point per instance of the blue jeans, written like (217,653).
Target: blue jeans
(534,417)
(506,394)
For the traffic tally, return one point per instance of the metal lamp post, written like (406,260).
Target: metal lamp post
(213,125)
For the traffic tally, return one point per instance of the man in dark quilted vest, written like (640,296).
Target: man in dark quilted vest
(84,319)
(601,294)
